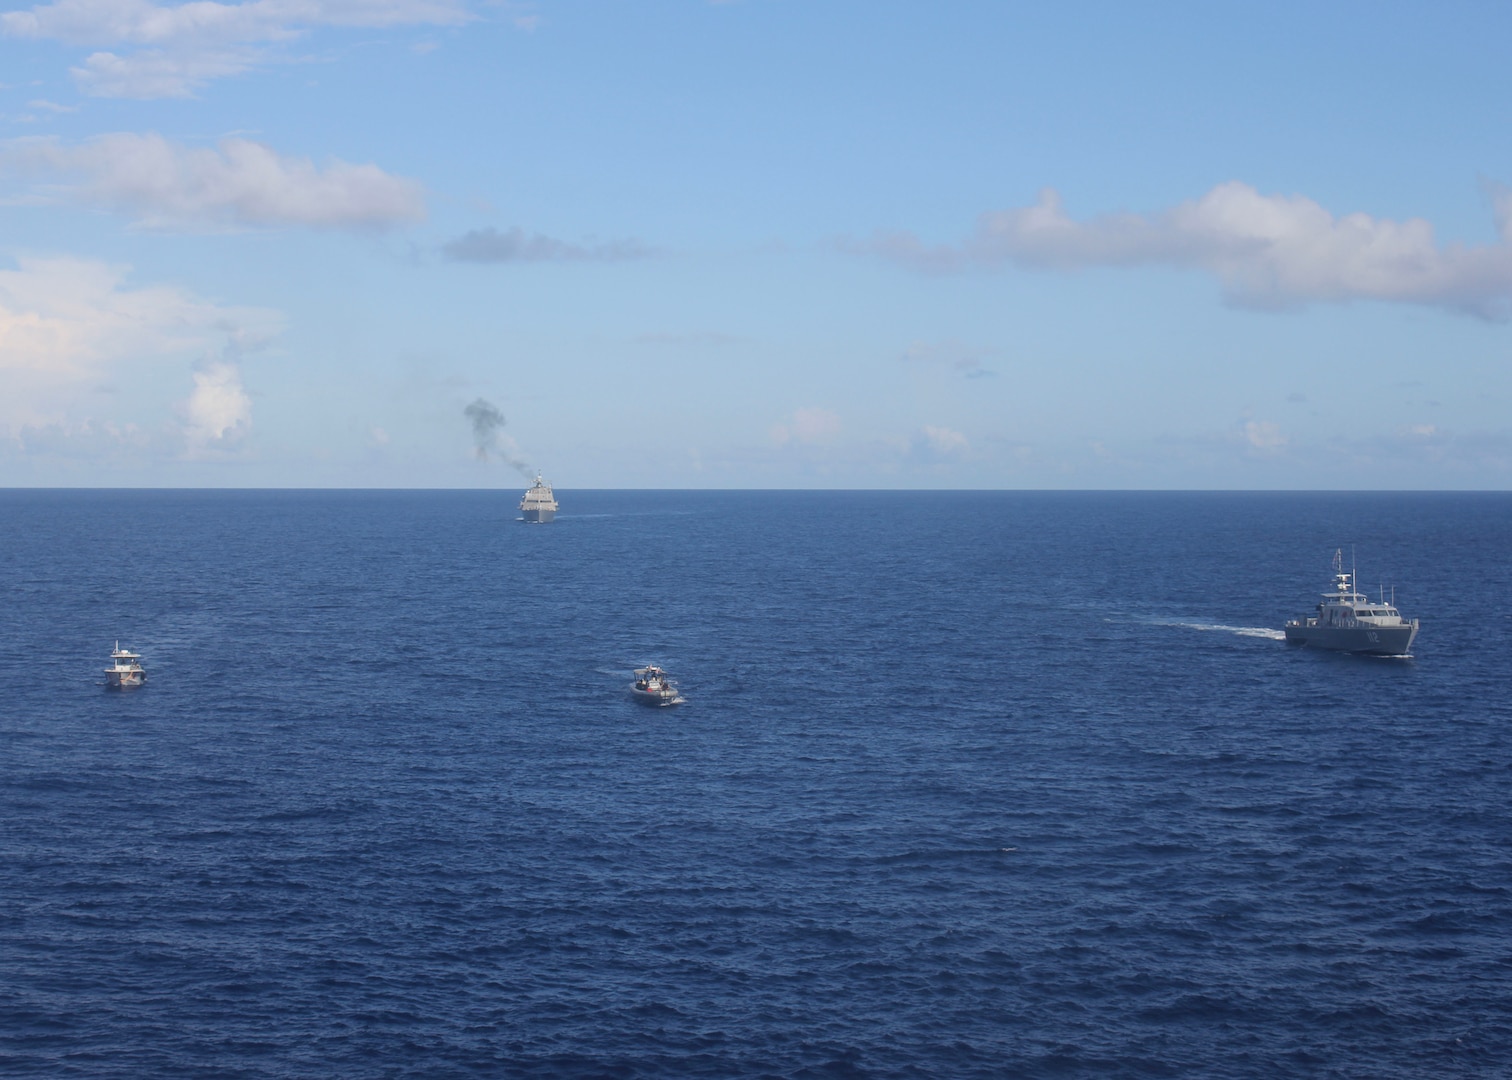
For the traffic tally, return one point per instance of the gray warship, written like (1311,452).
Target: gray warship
(538,504)
(1347,621)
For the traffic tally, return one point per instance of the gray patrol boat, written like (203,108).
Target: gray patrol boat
(653,687)
(1348,622)
(539,504)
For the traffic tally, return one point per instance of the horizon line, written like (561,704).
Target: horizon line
(797,490)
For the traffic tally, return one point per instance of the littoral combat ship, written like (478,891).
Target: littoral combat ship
(539,505)
(1348,622)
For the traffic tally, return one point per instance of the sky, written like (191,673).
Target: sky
(755,244)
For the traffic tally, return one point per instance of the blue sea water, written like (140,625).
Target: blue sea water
(964,785)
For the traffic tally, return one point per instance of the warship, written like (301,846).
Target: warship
(538,504)
(1347,620)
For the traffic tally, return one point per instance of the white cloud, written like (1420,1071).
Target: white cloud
(945,441)
(934,445)
(62,315)
(70,330)
(239,183)
(185,45)
(138,22)
(153,74)
(218,413)
(808,426)
(1268,251)
(514,245)
(1264,436)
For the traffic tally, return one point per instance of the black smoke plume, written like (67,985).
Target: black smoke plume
(488,435)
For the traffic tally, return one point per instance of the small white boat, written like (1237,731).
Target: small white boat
(653,687)
(125,668)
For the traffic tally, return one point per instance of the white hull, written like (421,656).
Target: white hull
(124,670)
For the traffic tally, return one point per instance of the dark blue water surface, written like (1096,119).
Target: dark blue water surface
(986,784)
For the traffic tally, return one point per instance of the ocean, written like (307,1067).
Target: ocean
(972,784)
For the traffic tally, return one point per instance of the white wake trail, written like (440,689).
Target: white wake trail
(1265,632)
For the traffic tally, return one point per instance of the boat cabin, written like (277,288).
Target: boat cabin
(1347,607)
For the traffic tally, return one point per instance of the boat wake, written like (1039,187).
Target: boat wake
(1242,631)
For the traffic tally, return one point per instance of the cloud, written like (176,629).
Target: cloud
(492,246)
(697,338)
(953,355)
(1267,251)
(933,445)
(177,48)
(138,22)
(240,183)
(1484,456)
(153,74)
(522,15)
(218,413)
(70,329)
(943,440)
(1264,437)
(807,426)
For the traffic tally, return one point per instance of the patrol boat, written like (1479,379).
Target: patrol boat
(125,668)
(539,504)
(653,687)
(1348,622)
